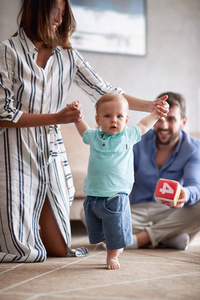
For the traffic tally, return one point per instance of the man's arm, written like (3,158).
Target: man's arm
(191,177)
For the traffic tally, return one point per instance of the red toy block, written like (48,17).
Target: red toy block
(167,192)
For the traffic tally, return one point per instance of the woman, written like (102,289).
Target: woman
(37,68)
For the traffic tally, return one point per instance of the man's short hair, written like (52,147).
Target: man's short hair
(175,99)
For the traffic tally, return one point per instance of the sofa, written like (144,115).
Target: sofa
(78,154)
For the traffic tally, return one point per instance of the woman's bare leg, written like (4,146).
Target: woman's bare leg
(50,233)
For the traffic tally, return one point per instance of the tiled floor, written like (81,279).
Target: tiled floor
(144,274)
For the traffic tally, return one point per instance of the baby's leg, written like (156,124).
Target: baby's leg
(112,259)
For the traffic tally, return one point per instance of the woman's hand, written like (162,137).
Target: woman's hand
(162,107)
(70,114)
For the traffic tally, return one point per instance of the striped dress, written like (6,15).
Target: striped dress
(33,161)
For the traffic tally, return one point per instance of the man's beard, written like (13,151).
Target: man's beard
(167,142)
(158,141)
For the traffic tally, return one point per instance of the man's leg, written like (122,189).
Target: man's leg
(153,223)
(178,221)
(144,216)
(180,241)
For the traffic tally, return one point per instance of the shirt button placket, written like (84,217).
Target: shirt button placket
(104,143)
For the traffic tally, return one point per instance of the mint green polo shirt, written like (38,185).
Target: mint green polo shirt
(110,168)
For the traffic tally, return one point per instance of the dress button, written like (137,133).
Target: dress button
(103,144)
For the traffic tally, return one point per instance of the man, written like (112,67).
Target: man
(171,153)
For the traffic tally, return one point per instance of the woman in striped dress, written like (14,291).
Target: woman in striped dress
(37,68)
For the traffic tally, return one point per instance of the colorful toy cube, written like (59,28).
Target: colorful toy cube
(167,192)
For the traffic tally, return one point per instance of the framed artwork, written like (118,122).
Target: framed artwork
(110,26)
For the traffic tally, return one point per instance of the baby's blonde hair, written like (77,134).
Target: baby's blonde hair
(109,98)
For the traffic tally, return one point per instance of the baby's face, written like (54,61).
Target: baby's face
(112,116)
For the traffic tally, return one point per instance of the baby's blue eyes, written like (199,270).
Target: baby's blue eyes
(109,116)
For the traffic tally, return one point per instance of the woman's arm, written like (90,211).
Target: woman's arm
(148,106)
(95,86)
(65,116)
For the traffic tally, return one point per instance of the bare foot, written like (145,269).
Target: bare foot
(112,263)
(112,259)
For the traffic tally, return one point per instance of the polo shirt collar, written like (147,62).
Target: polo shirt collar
(106,135)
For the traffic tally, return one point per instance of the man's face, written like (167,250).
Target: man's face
(167,132)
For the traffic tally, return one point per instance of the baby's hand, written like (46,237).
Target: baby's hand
(162,108)
(75,105)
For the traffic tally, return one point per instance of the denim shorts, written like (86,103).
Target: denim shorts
(109,220)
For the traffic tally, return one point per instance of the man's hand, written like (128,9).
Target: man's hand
(182,198)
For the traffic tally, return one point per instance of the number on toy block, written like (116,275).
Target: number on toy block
(166,189)
(167,192)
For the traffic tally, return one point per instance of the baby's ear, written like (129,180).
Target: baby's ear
(97,120)
(127,118)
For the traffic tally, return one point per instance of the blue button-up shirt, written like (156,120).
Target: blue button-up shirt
(183,165)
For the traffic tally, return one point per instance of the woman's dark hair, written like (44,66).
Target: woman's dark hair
(176,99)
(35,17)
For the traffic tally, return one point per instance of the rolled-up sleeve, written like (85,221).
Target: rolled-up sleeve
(8,111)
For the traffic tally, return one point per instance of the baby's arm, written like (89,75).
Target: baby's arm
(81,125)
(147,123)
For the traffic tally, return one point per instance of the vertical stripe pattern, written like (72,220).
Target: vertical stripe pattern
(33,161)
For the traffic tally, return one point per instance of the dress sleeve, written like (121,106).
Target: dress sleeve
(89,81)
(7,110)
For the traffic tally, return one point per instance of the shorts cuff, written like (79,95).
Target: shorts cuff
(119,246)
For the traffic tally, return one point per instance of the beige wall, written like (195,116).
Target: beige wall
(8,17)
(172,61)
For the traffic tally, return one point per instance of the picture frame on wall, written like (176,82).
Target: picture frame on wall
(110,26)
